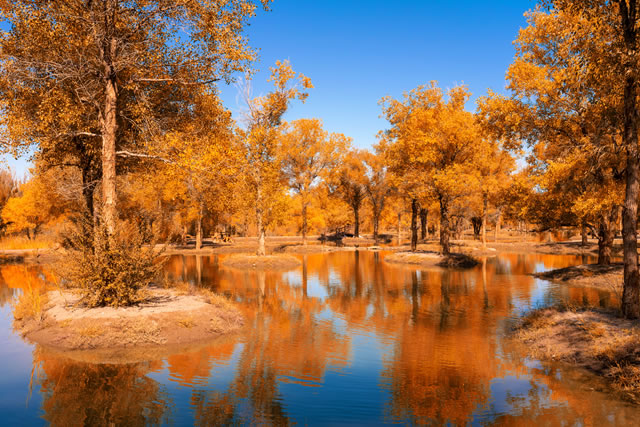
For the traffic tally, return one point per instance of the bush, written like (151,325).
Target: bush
(110,270)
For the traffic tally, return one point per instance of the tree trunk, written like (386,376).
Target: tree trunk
(399,228)
(583,233)
(260,224)
(605,239)
(423,223)
(184,235)
(444,226)
(414,225)
(484,222)
(631,291)
(199,230)
(376,224)
(497,230)
(109,134)
(356,218)
(304,223)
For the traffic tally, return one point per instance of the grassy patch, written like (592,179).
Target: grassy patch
(22,242)
(598,341)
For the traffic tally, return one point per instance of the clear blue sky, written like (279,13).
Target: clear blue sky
(357,51)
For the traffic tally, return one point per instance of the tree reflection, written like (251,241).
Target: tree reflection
(76,393)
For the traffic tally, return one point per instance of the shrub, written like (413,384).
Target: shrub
(110,270)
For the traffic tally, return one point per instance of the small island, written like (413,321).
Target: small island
(163,317)
(432,259)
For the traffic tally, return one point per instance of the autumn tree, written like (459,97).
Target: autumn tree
(568,110)
(434,135)
(262,148)
(308,152)
(492,170)
(377,186)
(349,184)
(116,64)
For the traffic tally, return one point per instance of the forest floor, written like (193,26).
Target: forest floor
(166,317)
(598,341)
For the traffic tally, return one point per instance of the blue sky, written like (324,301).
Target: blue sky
(357,51)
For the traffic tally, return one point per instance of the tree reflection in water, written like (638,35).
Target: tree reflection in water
(439,333)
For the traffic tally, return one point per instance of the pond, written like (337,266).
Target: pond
(344,339)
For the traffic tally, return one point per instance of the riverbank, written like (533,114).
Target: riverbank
(166,317)
(594,340)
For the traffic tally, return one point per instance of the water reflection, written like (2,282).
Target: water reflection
(345,337)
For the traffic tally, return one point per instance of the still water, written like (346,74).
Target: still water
(344,339)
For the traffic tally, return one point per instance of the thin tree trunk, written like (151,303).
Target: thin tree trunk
(399,231)
(484,222)
(199,230)
(376,224)
(631,291)
(423,223)
(583,233)
(498,218)
(414,225)
(444,226)
(356,218)
(304,223)
(260,224)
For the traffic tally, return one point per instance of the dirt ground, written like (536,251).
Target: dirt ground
(608,277)
(167,317)
(598,341)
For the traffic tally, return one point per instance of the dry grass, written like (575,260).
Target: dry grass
(186,322)
(30,305)
(597,341)
(22,242)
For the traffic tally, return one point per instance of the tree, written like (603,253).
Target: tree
(575,88)
(492,169)
(435,136)
(308,152)
(349,182)
(117,63)
(262,150)
(377,186)
(204,157)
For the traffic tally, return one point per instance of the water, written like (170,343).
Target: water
(344,339)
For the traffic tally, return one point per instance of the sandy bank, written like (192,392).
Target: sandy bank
(165,318)
(608,277)
(432,259)
(598,341)
(265,262)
